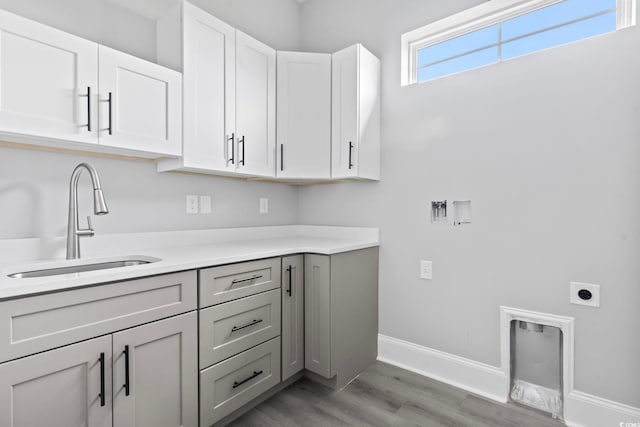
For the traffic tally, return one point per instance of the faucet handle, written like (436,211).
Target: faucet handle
(89,223)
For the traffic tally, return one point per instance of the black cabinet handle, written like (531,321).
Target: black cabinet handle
(350,155)
(89,108)
(254,322)
(126,370)
(102,394)
(290,271)
(237,384)
(281,157)
(241,140)
(110,128)
(236,281)
(233,147)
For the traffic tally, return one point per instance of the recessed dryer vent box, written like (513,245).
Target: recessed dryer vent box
(461,212)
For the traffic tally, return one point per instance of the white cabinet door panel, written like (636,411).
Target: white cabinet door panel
(140,104)
(209,91)
(304,115)
(255,106)
(58,387)
(345,113)
(44,79)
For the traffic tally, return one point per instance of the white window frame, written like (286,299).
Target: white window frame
(476,18)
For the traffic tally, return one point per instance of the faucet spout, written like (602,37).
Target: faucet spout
(74,232)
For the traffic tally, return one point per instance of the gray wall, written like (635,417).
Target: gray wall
(34,184)
(546,146)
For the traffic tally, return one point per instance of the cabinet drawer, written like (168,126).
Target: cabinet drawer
(229,282)
(33,324)
(235,326)
(228,385)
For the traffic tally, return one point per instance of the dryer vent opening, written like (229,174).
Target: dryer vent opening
(536,366)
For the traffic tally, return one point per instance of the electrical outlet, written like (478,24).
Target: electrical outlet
(264,206)
(426,270)
(584,294)
(205,204)
(192,204)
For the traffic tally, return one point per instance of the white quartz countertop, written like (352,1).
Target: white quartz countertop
(177,251)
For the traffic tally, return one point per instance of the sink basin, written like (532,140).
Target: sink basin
(94,265)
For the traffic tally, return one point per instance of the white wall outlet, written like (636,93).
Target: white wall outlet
(264,206)
(584,294)
(192,204)
(426,270)
(205,204)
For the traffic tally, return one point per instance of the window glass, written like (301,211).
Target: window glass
(459,45)
(576,31)
(472,60)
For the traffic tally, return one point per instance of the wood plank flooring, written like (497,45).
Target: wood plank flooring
(385,395)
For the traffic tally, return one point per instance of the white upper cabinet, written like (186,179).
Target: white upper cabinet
(355,114)
(45,77)
(59,90)
(140,104)
(255,106)
(208,66)
(303,116)
(229,95)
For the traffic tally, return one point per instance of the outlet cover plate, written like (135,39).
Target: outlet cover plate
(264,205)
(426,270)
(576,287)
(192,204)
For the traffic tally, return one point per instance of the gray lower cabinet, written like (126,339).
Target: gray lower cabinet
(292,315)
(155,374)
(58,387)
(144,376)
(230,384)
(341,313)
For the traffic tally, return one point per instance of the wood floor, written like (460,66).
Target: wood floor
(385,395)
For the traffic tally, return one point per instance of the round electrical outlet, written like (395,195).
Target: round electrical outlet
(585,294)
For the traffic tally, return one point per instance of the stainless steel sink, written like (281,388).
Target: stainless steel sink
(80,268)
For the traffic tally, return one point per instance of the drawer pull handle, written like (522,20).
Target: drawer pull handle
(237,328)
(237,384)
(102,383)
(236,281)
(126,370)
(290,271)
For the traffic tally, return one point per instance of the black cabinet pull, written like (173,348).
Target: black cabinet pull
(237,384)
(254,322)
(89,108)
(281,157)
(236,281)
(110,128)
(350,155)
(290,271)
(102,394)
(233,147)
(241,140)
(126,370)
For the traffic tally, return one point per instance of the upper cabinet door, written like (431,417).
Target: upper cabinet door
(140,104)
(255,106)
(209,49)
(355,114)
(303,148)
(45,76)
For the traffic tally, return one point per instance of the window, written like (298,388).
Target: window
(503,29)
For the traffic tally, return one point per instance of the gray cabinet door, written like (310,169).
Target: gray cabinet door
(292,315)
(58,388)
(317,314)
(163,374)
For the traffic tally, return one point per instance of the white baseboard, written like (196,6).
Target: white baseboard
(475,377)
(580,409)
